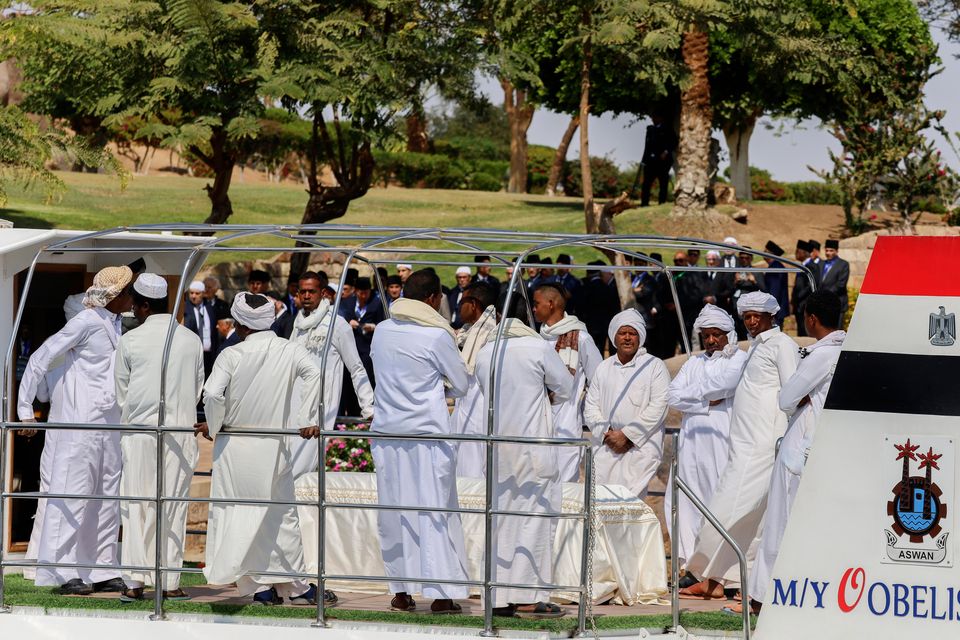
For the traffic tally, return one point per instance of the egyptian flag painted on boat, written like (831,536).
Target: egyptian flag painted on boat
(870,549)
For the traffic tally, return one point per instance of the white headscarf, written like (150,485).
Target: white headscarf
(713,317)
(257,318)
(73,305)
(107,285)
(757,301)
(628,318)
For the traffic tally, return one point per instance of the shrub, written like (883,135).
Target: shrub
(539,162)
(485,182)
(605,174)
(428,170)
(814,192)
(471,148)
(764,187)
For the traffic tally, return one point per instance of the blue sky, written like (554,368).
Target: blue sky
(785,149)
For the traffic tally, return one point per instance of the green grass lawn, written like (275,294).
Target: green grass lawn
(22,593)
(96,202)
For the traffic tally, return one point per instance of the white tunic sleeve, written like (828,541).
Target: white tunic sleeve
(53,347)
(652,415)
(556,376)
(309,373)
(121,373)
(346,346)
(718,383)
(684,392)
(811,372)
(592,413)
(590,356)
(451,366)
(214,391)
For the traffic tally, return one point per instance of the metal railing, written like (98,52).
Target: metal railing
(369,245)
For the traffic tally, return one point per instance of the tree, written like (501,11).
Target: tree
(25,150)
(207,61)
(355,69)
(560,157)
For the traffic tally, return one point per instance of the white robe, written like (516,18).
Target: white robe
(812,378)
(704,443)
(757,422)
(411,363)
(568,416)
(139,362)
(250,386)
(49,390)
(527,476)
(631,397)
(343,351)
(470,416)
(84,462)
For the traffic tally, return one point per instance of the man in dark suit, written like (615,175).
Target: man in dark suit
(814,254)
(258,281)
(226,330)
(658,151)
(801,286)
(775,283)
(290,299)
(570,283)
(283,323)
(718,285)
(598,303)
(198,317)
(211,286)
(455,294)
(834,273)
(483,273)
(364,313)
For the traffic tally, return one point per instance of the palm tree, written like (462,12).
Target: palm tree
(929,461)
(906,454)
(696,123)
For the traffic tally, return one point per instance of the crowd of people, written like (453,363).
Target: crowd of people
(582,367)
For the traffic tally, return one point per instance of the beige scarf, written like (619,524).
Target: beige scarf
(471,340)
(513,328)
(420,313)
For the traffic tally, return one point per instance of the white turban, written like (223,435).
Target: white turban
(253,311)
(197,287)
(713,254)
(150,285)
(713,317)
(107,285)
(757,301)
(627,318)
(73,305)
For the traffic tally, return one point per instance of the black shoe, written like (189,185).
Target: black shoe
(688,581)
(76,587)
(309,597)
(267,598)
(330,598)
(114,585)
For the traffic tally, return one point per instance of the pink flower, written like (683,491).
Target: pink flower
(336,467)
(873,216)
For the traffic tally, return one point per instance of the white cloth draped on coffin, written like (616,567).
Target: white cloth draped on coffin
(629,565)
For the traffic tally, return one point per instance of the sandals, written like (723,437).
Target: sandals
(699,591)
(737,609)
(402,602)
(445,607)
(178,594)
(539,611)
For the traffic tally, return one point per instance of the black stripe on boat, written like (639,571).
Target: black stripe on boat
(896,383)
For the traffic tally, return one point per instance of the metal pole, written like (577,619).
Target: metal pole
(674,535)
(488,563)
(161,422)
(585,564)
(321,620)
(741,558)
(4,431)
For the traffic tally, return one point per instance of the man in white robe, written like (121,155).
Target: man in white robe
(415,358)
(704,443)
(85,462)
(529,374)
(802,398)
(469,415)
(626,406)
(50,390)
(756,423)
(250,387)
(311,328)
(576,348)
(137,373)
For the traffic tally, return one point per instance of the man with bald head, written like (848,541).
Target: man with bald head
(756,422)
(571,340)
